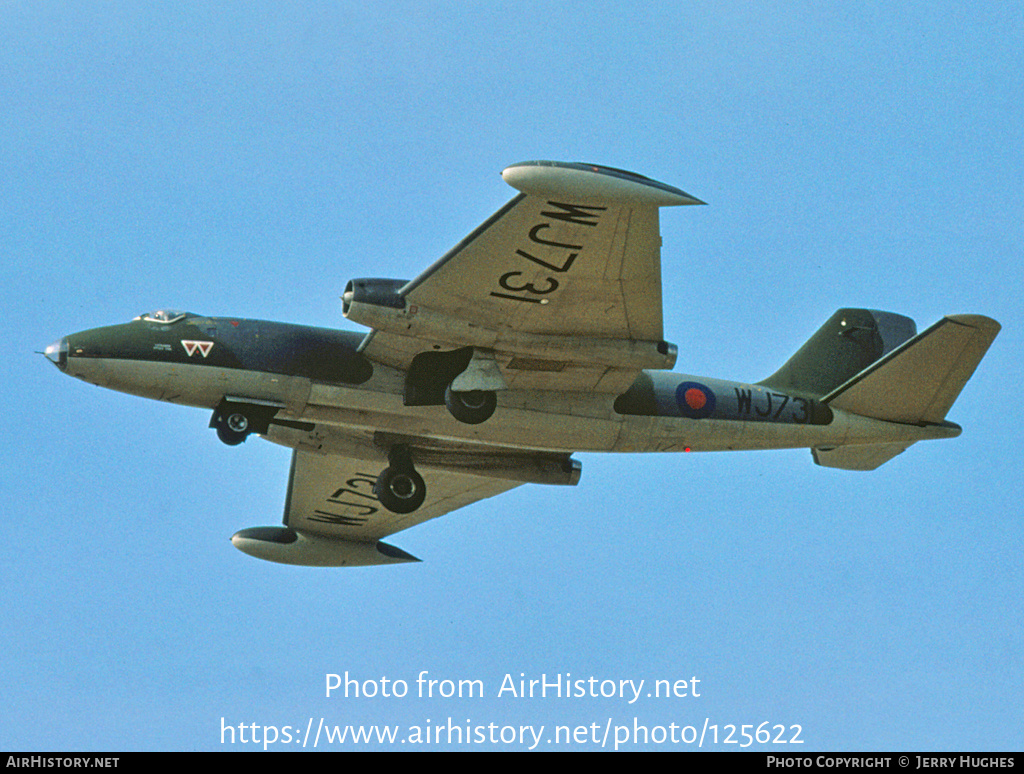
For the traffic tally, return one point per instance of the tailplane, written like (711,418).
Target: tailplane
(861,456)
(915,384)
(918,382)
(875,364)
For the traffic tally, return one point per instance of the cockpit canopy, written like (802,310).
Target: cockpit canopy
(165,316)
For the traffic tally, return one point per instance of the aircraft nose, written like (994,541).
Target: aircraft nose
(57,353)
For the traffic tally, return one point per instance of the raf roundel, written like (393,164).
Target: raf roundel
(695,400)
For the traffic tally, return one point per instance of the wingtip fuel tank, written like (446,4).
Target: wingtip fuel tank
(592,182)
(288,546)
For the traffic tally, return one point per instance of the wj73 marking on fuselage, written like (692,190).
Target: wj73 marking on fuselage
(577,214)
(771,405)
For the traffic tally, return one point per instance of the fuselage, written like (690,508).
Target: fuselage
(317,376)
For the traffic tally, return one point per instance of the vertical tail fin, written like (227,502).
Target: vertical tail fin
(843,347)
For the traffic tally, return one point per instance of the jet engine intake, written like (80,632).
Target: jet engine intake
(372,292)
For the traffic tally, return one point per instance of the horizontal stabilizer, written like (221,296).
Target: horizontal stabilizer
(867,456)
(918,382)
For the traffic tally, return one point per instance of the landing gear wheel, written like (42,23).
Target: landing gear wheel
(471,407)
(400,490)
(233,428)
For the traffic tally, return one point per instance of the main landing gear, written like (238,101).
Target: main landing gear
(399,487)
(471,407)
(465,380)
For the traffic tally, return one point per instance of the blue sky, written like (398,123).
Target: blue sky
(248,159)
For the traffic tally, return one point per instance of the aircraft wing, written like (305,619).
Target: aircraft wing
(333,519)
(333,496)
(562,284)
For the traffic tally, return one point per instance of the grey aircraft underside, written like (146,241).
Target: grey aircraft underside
(537,336)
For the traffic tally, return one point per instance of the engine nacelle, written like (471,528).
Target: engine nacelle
(287,546)
(372,292)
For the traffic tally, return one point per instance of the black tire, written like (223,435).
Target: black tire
(400,490)
(233,428)
(471,407)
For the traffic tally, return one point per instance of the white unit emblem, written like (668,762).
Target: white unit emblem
(202,347)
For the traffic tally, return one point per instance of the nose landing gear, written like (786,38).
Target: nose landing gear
(232,428)
(235,419)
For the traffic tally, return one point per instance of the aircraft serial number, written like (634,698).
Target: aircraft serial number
(558,257)
(356,497)
(776,405)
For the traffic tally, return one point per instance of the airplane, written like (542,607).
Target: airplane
(537,336)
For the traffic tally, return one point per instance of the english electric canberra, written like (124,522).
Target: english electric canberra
(539,335)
